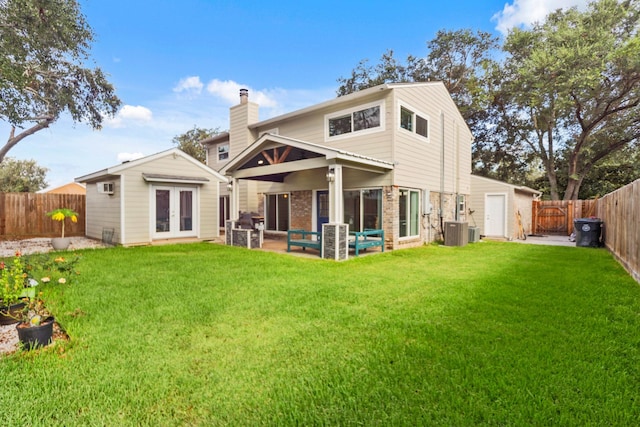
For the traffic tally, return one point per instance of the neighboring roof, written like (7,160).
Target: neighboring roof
(330,153)
(343,99)
(117,169)
(521,188)
(68,188)
(220,137)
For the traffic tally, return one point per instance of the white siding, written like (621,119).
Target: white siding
(103,211)
(517,200)
(419,161)
(311,128)
(137,201)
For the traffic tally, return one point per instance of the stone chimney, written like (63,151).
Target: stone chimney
(244,96)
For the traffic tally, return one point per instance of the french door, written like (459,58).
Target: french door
(322,209)
(174,212)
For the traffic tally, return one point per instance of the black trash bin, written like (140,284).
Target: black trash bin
(588,231)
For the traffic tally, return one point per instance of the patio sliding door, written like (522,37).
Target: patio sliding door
(174,210)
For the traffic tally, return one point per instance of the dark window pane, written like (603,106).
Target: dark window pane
(186,210)
(406,119)
(340,125)
(415,205)
(271,212)
(162,210)
(422,126)
(403,214)
(372,206)
(365,119)
(352,210)
(283,212)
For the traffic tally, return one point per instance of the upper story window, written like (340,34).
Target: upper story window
(223,152)
(414,122)
(357,120)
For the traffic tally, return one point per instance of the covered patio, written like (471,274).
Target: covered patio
(304,169)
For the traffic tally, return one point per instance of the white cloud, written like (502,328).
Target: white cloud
(230,91)
(190,84)
(125,157)
(526,12)
(130,114)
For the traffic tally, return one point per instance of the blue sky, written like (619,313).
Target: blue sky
(180,64)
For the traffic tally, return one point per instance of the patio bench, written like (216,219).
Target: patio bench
(304,239)
(368,238)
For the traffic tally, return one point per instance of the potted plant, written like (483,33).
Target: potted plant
(36,326)
(13,280)
(61,214)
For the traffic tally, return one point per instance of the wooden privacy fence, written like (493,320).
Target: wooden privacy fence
(620,211)
(556,216)
(24,215)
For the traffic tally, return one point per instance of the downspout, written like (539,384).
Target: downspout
(441,209)
(456,171)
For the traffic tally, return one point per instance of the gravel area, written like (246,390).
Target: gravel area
(8,248)
(43,244)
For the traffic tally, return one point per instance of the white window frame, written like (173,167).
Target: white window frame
(286,195)
(361,204)
(415,112)
(349,112)
(410,236)
(218,152)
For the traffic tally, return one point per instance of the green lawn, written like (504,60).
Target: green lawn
(201,334)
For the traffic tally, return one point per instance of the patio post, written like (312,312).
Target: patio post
(234,199)
(336,207)
(335,234)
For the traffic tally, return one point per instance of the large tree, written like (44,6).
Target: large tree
(44,48)
(570,89)
(21,176)
(464,61)
(190,142)
(563,95)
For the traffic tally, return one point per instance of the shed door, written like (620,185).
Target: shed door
(175,210)
(495,215)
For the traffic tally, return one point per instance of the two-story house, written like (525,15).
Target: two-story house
(395,157)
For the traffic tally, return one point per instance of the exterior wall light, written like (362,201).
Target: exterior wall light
(331,175)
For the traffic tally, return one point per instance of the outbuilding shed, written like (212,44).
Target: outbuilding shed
(164,196)
(494,207)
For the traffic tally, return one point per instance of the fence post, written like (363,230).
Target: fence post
(534,217)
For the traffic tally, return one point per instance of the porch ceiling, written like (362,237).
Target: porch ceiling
(273,157)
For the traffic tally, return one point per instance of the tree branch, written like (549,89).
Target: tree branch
(14,139)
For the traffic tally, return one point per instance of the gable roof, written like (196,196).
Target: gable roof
(344,99)
(522,188)
(68,188)
(321,156)
(117,169)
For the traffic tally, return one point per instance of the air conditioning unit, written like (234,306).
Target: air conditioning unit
(105,187)
(474,234)
(456,233)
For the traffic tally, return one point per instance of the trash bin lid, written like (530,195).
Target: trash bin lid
(592,220)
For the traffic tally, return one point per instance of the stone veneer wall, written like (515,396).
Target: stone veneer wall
(335,237)
(244,238)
